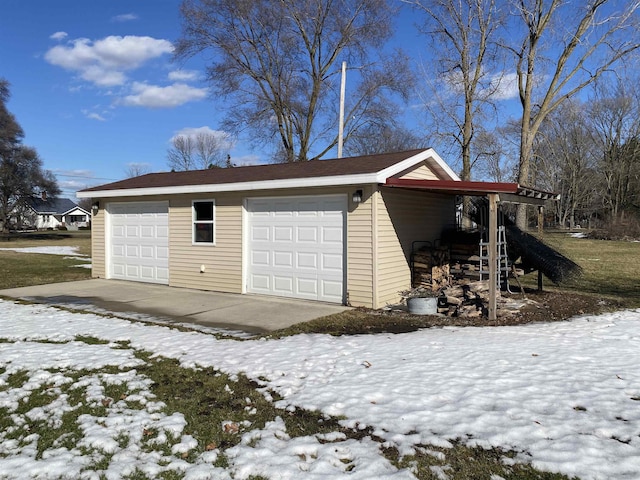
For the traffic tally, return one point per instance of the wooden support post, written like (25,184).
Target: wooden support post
(540,220)
(539,281)
(493,255)
(540,233)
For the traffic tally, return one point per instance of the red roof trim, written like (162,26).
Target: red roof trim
(462,187)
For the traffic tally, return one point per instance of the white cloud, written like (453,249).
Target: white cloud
(103,62)
(126,17)
(183,75)
(153,96)
(94,116)
(504,86)
(58,36)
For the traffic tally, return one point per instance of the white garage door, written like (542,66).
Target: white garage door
(139,242)
(296,247)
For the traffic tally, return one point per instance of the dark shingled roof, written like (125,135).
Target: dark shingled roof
(52,206)
(256,173)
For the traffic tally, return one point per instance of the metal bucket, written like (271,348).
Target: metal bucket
(422,305)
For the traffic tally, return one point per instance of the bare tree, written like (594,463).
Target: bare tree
(462,33)
(382,138)
(615,115)
(198,150)
(137,169)
(277,62)
(560,48)
(565,158)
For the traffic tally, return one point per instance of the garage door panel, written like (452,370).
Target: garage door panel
(331,288)
(147,273)
(162,231)
(307,234)
(297,232)
(306,260)
(260,283)
(283,260)
(260,233)
(331,262)
(282,234)
(332,235)
(283,285)
(261,258)
(139,242)
(307,287)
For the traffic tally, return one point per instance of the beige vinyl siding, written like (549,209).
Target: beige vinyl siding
(98,269)
(405,216)
(360,251)
(421,172)
(222,261)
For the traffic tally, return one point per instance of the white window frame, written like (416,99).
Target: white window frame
(195,222)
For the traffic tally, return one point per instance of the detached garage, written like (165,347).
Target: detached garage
(328,230)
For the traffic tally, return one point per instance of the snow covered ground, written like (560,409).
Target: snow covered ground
(566,395)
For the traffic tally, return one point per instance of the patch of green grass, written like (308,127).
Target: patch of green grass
(610,268)
(90,340)
(68,238)
(26,269)
(462,463)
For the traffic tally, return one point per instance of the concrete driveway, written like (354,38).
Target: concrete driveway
(248,313)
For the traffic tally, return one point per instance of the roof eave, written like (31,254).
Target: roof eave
(330,181)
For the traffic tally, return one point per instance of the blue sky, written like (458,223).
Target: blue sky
(95,89)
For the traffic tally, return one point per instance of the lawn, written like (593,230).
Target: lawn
(24,269)
(611,268)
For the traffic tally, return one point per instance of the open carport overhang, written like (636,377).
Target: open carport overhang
(507,192)
(495,192)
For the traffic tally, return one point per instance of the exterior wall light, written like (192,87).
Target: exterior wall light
(95,206)
(357,196)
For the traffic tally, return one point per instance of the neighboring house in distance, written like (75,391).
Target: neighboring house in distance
(44,213)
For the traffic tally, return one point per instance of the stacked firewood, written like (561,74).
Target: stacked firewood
(431,268)
(465,260)
(469,299)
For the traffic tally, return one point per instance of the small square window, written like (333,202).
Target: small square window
(204,222)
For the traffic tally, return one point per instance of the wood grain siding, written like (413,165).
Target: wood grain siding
(98,269)
(405,216)
(421,172)
(222,262)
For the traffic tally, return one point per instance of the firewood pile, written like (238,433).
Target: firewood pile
(431,268)
(467,299)
(471,299)
(465,261)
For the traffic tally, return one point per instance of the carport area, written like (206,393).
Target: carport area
(496,193)
(246,313)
